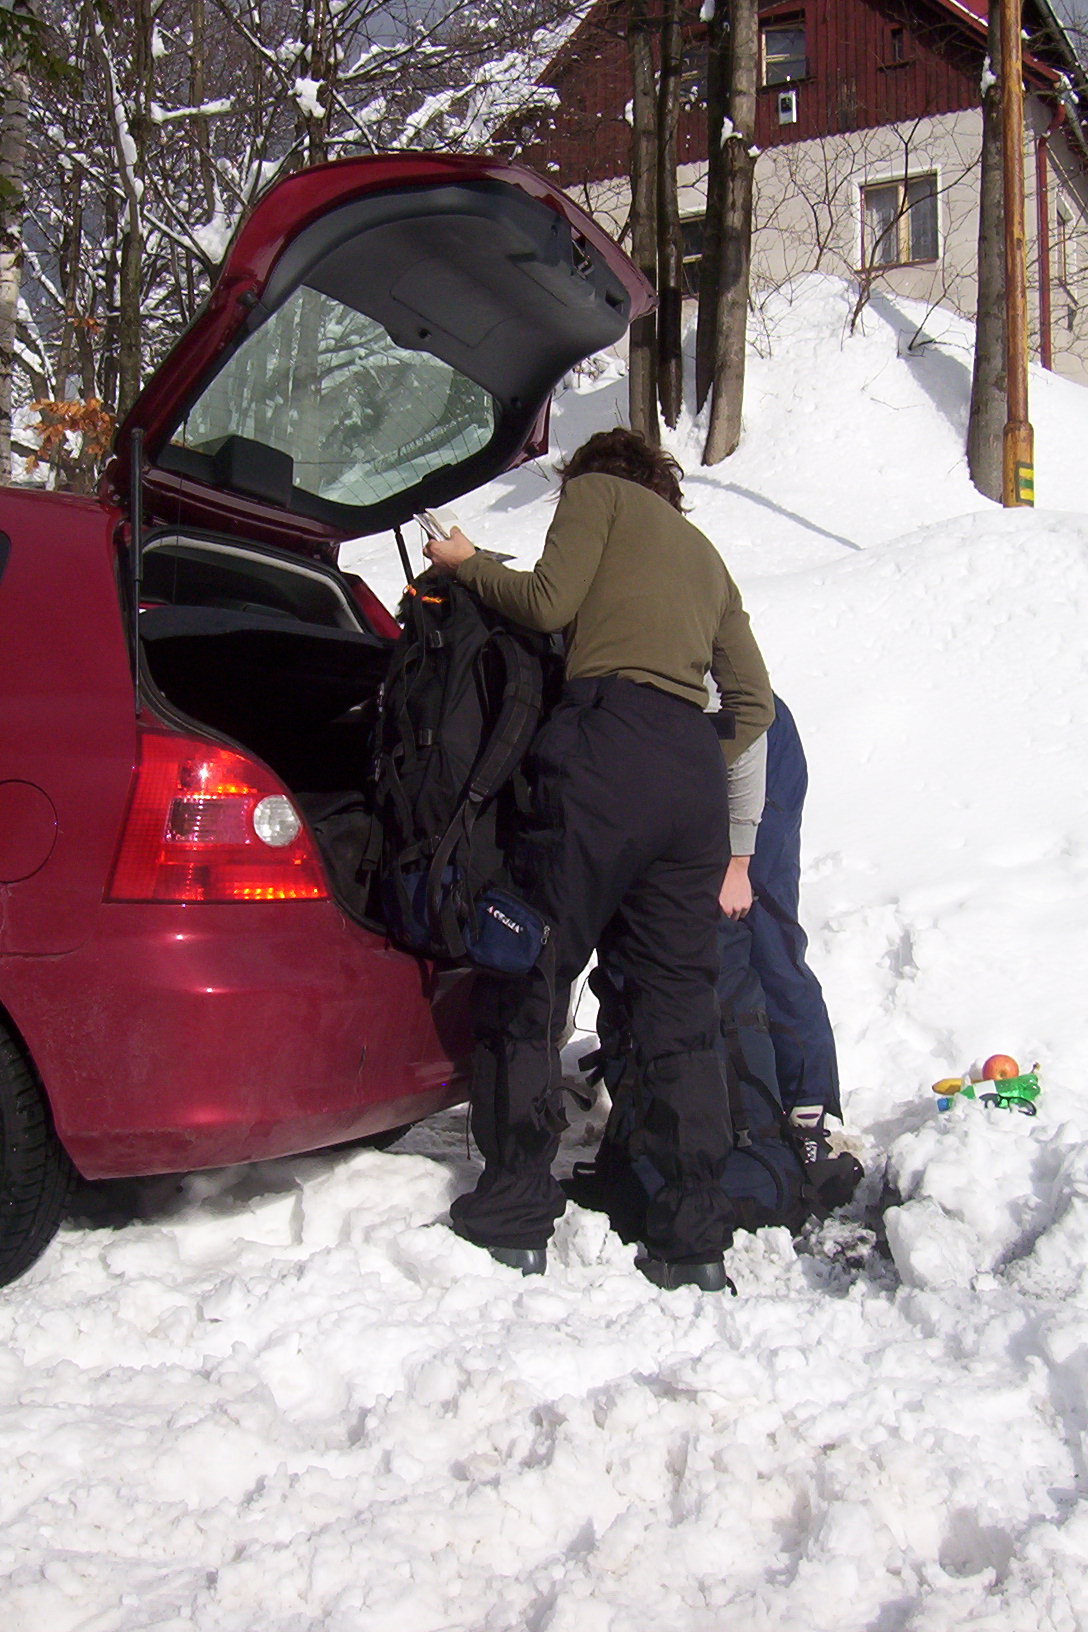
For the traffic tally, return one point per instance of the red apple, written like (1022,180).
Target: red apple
(998,1067)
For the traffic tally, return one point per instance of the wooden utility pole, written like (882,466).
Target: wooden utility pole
(986,425)
(1018,473)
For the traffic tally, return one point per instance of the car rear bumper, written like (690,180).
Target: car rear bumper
(194,1036)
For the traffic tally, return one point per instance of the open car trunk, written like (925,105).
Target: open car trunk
(274,654)
(384,335)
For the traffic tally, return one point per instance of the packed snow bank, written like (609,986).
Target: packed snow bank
(941,683)
(286,1396)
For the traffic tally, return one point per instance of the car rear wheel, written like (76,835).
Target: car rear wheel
(35,1173)
(376,1141)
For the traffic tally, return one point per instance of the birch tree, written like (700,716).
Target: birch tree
(16,91)
(129,119)
(24,50)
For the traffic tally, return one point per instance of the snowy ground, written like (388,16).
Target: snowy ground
(285,1397)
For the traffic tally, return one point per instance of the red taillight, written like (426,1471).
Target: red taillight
(205,824)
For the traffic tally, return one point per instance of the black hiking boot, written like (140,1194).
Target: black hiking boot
(530,1260)
(708,1274)
(834,1179)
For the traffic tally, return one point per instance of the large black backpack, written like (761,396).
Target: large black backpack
(459,707)
(764,1175)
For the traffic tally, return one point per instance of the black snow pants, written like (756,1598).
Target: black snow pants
(628,835)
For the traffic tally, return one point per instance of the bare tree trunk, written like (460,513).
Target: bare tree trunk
(107,362)
(68,273)
(296,80)
(670,253)
(986,425)
(130,324)
(727,390)
(131,127)
(16,93)
(642,367)
(197,63)
(719,39)
(312,125)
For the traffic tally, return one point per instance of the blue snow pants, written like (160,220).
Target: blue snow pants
(781,1023)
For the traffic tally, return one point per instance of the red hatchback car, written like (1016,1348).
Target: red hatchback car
(187,681)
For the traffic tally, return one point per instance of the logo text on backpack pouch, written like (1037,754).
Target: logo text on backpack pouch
(508,923)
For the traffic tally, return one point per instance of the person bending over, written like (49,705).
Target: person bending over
(628,833)
(776,1036)
(768,940)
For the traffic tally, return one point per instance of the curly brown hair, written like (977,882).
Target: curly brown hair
(621,452)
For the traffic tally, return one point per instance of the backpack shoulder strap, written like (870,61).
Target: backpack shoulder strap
(519,713)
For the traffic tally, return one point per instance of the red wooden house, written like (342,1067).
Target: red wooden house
(869,125)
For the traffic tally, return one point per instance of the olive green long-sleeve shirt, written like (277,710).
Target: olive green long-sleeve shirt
(641,593)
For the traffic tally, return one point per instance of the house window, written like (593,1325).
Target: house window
(783,46)
(899,221)
(691,233)
(1064,263)
(1063,228)
(897,45)
(693,66)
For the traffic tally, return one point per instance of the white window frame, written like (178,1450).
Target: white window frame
(899,180)
(694,71)
(692,260)
(1065,255)
(774,25)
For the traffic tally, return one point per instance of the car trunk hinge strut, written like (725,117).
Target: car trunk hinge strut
(409,575)
(136,547)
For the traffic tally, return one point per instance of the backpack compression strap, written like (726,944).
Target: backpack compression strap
(392,768)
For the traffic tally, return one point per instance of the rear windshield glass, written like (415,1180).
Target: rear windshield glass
(361,418)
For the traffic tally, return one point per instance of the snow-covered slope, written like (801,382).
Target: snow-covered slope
(286,1397)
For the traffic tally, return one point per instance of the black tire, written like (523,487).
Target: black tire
(376,1141)
(35,1173)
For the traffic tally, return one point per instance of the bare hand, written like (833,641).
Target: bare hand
(448,553)
(735,897)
